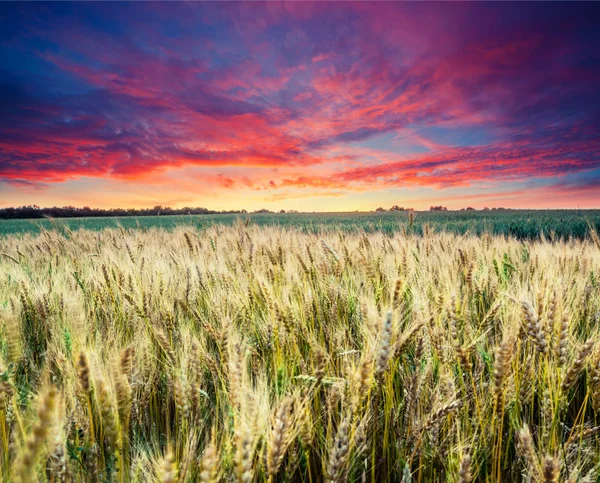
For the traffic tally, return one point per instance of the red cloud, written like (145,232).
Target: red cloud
(464,167)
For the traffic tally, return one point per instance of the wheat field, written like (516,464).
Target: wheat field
(248,353)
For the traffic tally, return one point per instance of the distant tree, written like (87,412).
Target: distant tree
(485,208)
(470,208)
(380,209)
(282,211)
(438,208)
(263,210)
(24,212)
(397,208)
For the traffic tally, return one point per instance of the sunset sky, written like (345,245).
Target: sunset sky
(316,107)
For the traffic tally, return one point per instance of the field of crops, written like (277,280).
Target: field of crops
(259,353)
(521,224)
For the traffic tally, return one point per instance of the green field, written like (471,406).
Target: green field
(521,224)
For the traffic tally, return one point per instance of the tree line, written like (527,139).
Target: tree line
(34,211)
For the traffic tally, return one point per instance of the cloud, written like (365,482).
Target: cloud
(553,155)
(159,87)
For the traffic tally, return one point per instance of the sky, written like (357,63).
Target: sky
(296,105)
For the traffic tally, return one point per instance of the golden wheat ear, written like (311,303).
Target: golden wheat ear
(27,464)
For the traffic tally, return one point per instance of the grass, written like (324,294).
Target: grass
(265,353)
(520,224)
